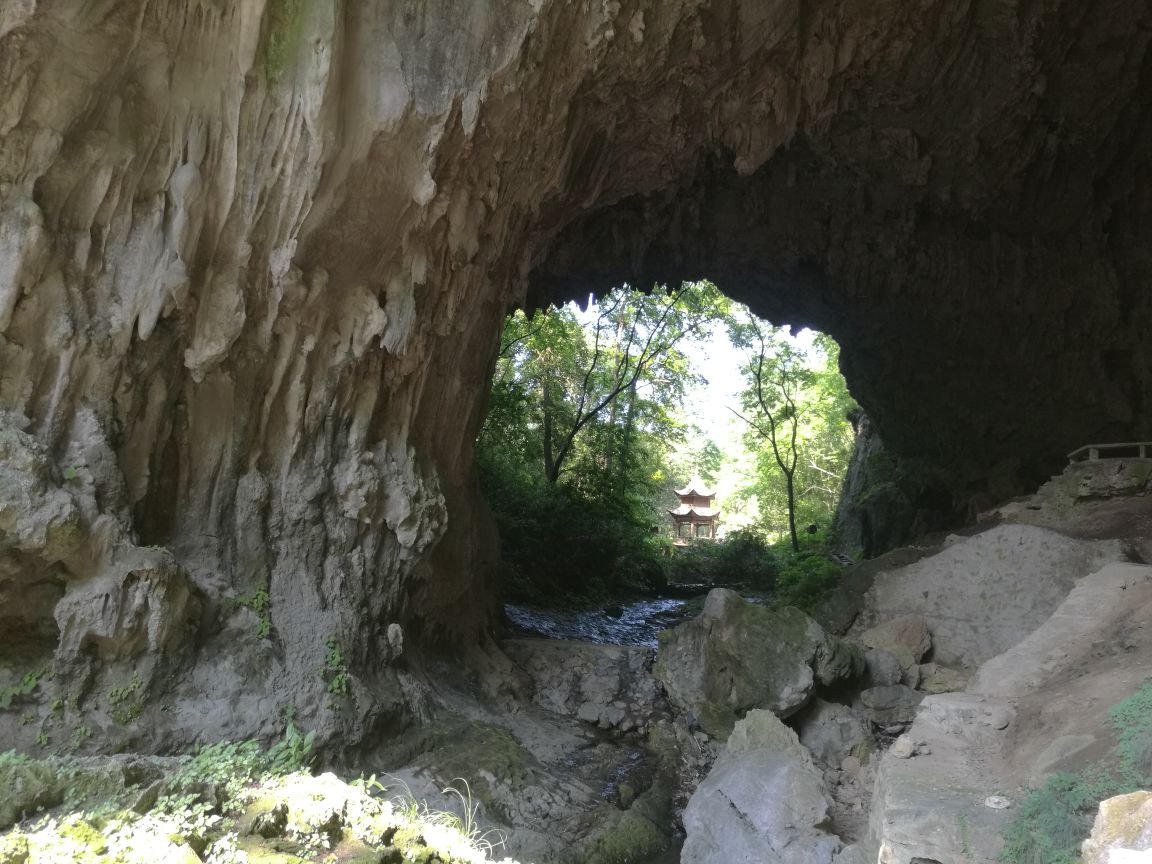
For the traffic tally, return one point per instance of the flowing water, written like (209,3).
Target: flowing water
(632,622)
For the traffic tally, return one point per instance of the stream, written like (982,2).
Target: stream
(631,622)
(634,623)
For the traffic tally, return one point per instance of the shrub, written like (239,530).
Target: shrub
(742,558)
(807,581)
(1053,820)
(558,542)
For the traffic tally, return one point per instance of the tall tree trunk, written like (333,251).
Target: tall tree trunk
(613,408)
(626,434)
(551,469)
(790,486)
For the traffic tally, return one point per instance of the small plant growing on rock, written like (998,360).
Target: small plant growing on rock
(257,601)
(293,752)
(125,708)
(334,667)
(80,734)
(26,686)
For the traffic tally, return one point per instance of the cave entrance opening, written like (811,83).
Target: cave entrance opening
(598,413)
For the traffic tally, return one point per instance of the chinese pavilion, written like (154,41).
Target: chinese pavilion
(695,518)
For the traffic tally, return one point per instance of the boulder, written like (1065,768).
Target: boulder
(935,678)
(981,595)
(885,706)
(764,800)
(1122,831)
(608,685)
(906,637)
(883,667)
(759,806)
(762,730)
(833,732)
(737,656)
(850,855)
(931,800)
(27,786)
(13,848)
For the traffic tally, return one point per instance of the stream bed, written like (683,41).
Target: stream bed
(632,623)
(628,622)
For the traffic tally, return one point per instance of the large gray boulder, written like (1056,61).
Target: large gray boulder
(737,656)
(831,732)
(609,685)
(26,787)
(764,802)
(889,705)
(907,638)
(979,595)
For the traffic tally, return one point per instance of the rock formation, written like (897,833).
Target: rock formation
(254,256)
(764,800)
(736,656)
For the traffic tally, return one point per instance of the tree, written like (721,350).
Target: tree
(583,414)
(581,372)
(796,405)
(634,335)
(776,376)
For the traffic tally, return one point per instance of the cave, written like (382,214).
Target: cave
(255,258)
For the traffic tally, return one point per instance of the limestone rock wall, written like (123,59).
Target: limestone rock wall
(254,256)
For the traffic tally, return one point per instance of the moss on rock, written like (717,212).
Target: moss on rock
(737,656)
(26,786)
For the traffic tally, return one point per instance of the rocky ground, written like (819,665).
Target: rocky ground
(971,673)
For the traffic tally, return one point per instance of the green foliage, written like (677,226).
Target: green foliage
(257,601)
(575,449)
(743,558)
(11,759)
(291,753)
(1132,720)
(796,408)
(807,581)
(26,686)
(1052,820)
(334,668)
(208,801)
(79,735)
(557,541)
(466,823)
(126,708)
(233,765)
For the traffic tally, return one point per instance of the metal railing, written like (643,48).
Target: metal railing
(1130,450)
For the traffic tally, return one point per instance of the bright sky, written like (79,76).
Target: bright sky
(718,361)
(710,408)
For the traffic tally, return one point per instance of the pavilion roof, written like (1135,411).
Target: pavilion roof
(688,510)
(696,486)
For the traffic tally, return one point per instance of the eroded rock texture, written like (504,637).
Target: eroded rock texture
(254,257)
